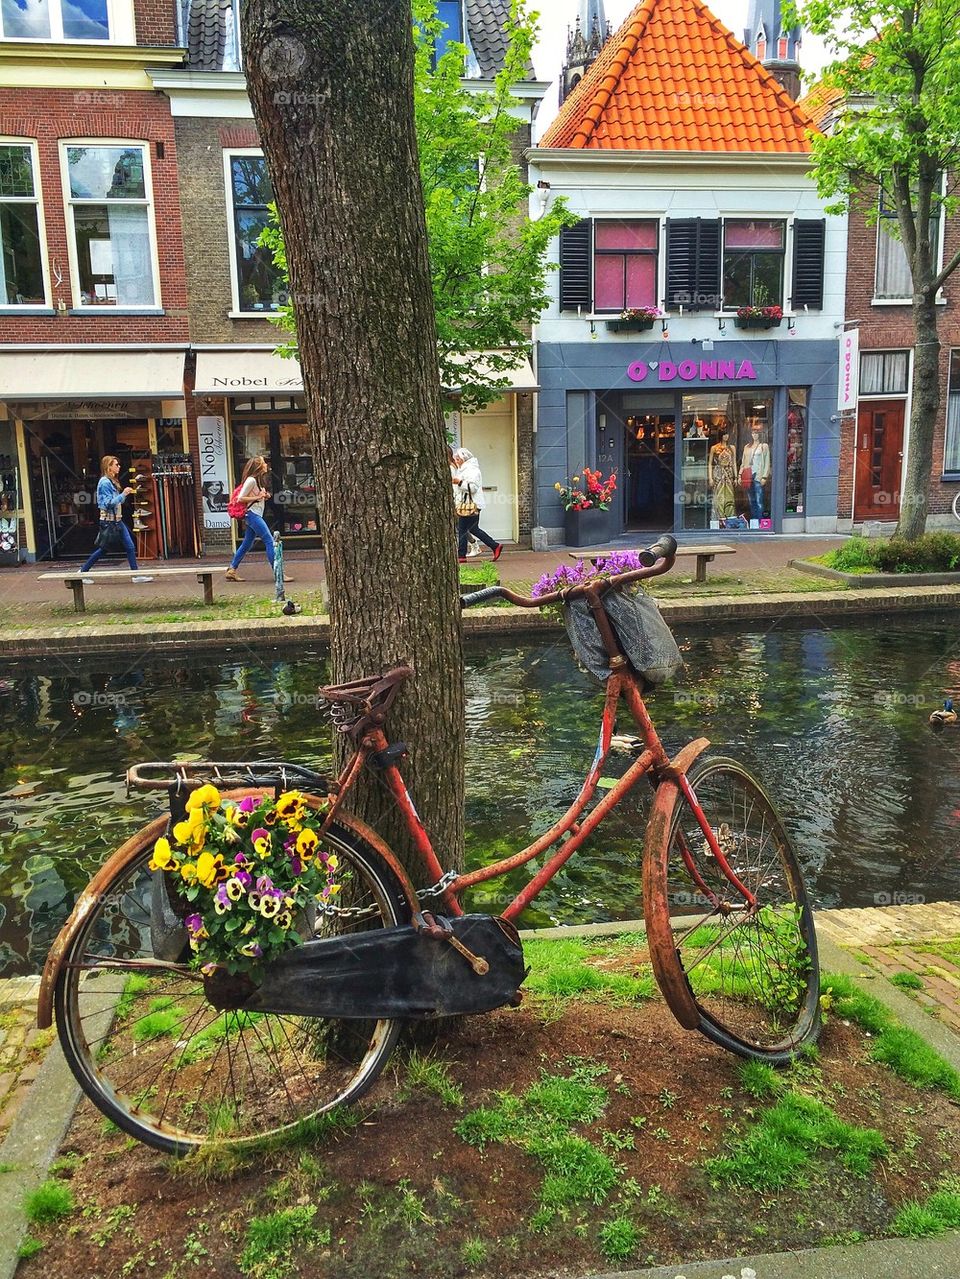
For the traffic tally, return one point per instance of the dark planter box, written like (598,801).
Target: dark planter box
(587,528)
(630,326)
(755,322)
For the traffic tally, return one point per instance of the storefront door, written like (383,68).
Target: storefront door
(647,427)
(879,460)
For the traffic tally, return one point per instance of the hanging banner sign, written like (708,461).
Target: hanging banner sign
(849,385)
(214,479)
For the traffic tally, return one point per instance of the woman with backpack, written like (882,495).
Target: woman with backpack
(247,504)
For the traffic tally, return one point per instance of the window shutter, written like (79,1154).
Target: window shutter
(576,266)
(809,235)
(693,264)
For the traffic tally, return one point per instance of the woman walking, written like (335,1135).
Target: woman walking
(253,495)
(469,501)
(113,533)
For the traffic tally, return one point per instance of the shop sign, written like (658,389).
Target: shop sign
(272,383)
(849,387)
(693,371)
(214,480)
(86,410)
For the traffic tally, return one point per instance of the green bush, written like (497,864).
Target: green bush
(932,553)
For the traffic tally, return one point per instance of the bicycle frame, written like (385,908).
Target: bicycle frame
(653,762)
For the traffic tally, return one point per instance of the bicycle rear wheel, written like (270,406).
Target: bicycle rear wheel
(168,1067)
(746,977)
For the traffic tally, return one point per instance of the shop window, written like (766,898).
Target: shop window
(625,264)
(951,448)
(113,248)
(727,460)
(894,281)
(753,263)
(21,262)
(55,19)
(258,286)
(884,372)
(796,449)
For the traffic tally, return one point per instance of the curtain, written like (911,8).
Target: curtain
(132,263)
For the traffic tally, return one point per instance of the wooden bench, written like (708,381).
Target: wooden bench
(75,581)
(704,554)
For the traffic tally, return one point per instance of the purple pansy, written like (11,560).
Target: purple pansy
(193,923)
(247,804)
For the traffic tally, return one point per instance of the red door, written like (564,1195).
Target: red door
(879,460)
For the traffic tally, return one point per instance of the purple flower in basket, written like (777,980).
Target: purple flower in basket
(618,562)
(244,877)
(296,865)
(247,804)
(240,860)
(264,884)
(560,578)
(193,923)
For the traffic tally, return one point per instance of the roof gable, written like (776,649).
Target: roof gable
(673,78)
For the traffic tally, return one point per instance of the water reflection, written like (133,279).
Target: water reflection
(834,720)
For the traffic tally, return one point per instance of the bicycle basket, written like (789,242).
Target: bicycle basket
(644,636)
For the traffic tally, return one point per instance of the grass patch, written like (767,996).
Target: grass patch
(157,1024)
(907,981)
(540,1123)
(135,986)
(779,1148)
(931,553)
(933,1216)
(903,1050)
(560,969)
(473,1253)
(29,1247)
(49,1202)
(479,575)
(759,1080)
(620,1239)
(274,1243)
(427,1075)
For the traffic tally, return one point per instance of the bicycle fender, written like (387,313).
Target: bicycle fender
(656,907)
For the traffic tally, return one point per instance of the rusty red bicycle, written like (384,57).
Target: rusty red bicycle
(177,1057)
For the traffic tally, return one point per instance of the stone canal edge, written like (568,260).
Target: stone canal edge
(38,1096)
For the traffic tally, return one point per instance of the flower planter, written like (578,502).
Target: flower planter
(630,326)
(587,528)
(755,322)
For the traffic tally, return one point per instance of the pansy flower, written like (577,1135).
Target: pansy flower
(270,817)
(188,872)
(307,842)
(163,858)
(204,797)
(284,920)
(211,869)
(269,907)
(252,950)
(247,804)
(291,804)
(261,841)
(234,889)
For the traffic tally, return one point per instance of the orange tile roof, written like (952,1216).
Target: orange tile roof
(820,103)
(673,78)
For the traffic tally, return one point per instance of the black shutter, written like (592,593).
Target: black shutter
(809,235)
(576,266)
(693,264)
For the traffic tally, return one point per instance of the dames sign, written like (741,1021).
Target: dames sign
(693,371)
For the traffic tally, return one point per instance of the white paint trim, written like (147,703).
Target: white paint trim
(578,157)
(12,308)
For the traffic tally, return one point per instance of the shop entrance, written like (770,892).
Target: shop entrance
(276,428)
(879,460)
(649,433)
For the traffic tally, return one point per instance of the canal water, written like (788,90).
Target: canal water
(834,720)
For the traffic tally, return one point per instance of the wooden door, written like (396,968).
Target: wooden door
(491,436)
(879,460)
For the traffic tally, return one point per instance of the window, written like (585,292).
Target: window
(726,458)
(449,13)
(883,372)
(258,285)
(752,263)
(111,225)
(21,261)
(951,447)
(796,448)
(625,265)
(893,278)
(55,19)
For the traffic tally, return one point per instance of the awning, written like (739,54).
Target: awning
(243,372)
(91,375)
(519,373)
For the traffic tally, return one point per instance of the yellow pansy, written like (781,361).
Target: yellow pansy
(210,869)
(307,842)
(204,797)
(189,872)
(192,832)
(291,806)
(163,858)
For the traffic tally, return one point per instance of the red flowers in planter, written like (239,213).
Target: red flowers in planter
(595,492)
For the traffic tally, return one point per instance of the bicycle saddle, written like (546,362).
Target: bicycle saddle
(363,703)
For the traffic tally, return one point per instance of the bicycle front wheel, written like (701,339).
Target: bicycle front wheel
(745,975)
(168,1067)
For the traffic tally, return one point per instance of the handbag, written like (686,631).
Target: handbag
(109,537)
(466,506)
(746,476)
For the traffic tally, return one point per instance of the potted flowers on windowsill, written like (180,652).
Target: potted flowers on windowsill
(586,500)
(759,317)
(635,319)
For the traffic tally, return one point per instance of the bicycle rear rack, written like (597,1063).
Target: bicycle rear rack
(227,774)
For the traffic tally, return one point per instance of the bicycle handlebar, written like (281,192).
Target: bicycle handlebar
(656,559)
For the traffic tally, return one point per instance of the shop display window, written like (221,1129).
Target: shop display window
(726,460)
(796,449)
(280,433)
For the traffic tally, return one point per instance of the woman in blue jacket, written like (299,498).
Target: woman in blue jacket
(110,500)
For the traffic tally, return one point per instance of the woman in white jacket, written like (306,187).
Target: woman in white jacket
(468,490)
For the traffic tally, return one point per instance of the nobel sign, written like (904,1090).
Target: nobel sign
(692,371)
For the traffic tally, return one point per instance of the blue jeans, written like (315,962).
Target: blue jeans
(127,546)
(254,526)
(756,499)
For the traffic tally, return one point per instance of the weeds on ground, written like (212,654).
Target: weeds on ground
(937,1214)
(560,969)
(620,1238)
(427,1075)
(907,981)
(275,1243)
(760,1080)
(29,1247)
(49,1202)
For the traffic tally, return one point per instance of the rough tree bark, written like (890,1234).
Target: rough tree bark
(332,91)
(924,411)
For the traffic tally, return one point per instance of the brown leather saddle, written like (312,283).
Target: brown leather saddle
(363,704)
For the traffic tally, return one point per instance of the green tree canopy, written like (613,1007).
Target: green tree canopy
(488,260)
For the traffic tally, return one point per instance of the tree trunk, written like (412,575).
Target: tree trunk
(915,497)
(332,92)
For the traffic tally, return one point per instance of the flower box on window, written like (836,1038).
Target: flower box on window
(758,317)
(756,322)
(630,326)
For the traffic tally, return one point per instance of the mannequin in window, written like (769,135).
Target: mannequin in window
(755,472)
(722,475)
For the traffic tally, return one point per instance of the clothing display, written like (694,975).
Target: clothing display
(723,470)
